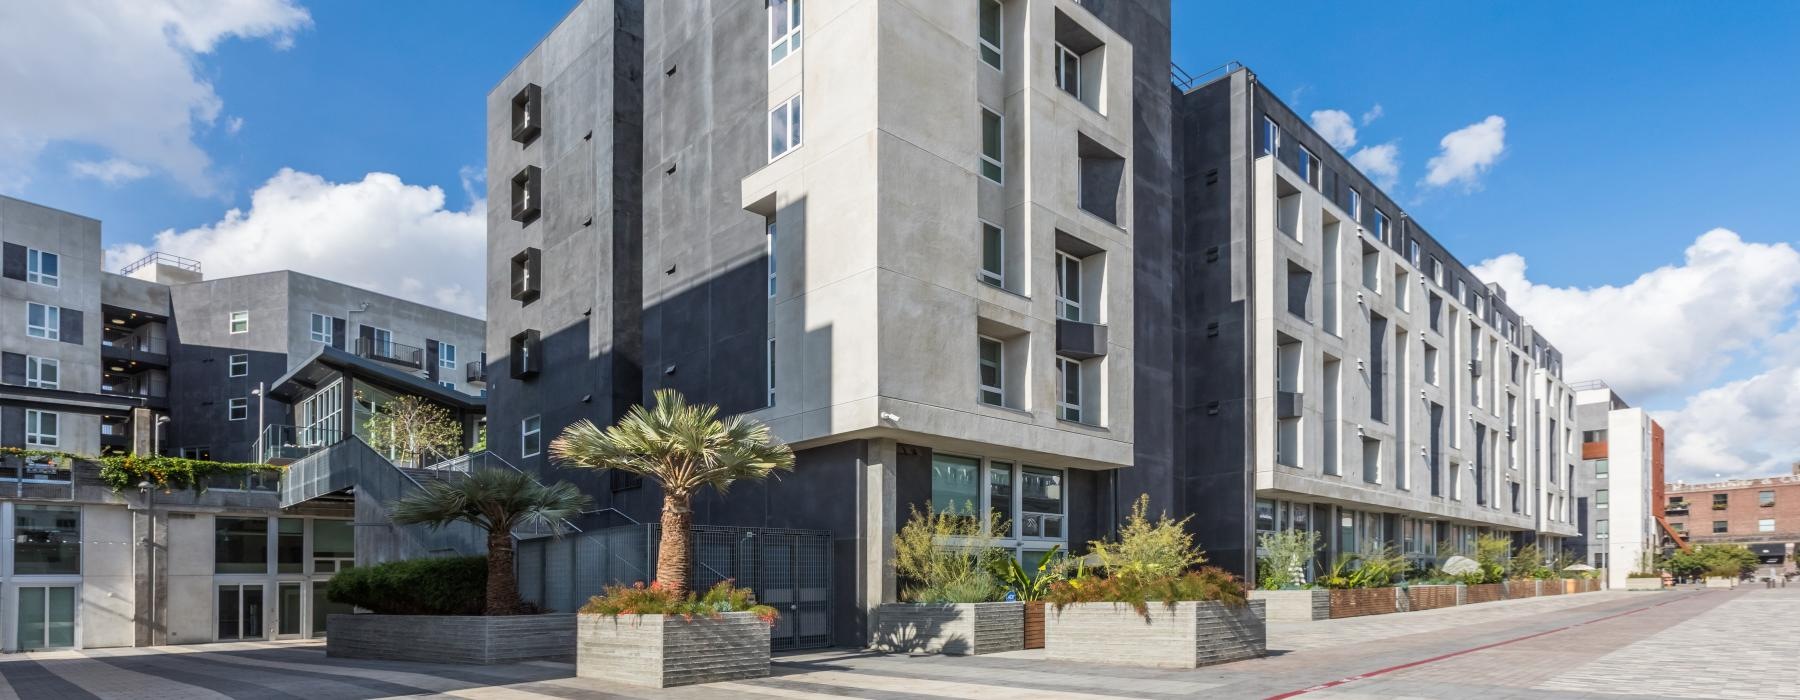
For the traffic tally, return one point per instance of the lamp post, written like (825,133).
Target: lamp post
(156,435)
(258,393)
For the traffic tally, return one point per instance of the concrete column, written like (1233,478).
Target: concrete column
(876,524)
(143,430)
(150,602)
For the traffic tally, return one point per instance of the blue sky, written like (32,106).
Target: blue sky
(1630,130)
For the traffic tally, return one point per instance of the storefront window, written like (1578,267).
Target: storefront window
(334,546)
(955,486)
(1041,502)
(290,546)
(46,540)
(1265,516)
(241,545)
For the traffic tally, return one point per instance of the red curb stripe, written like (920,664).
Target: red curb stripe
(1471,650)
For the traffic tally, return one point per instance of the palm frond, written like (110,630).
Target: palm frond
(682,446)
(495,500)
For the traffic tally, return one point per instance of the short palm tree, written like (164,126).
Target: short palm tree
(683,448)
(498,501)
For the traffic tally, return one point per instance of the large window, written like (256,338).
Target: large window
(993,371)
(321,328)
(240,322)
(993,255)
(46,540)
(1001,493)
(1068,286)
(237,365)
(333,546)
(955,484)
(290,546)
(1040,503)
(784,29)
(531,436)
(993,18)
(43,321)
(1068,398)
(446,356)
(1028,500)
(43,372)
(993,146)
(1765,499)
(784,128)
(43,268)
(240,545)
(42,428)
(1068,71)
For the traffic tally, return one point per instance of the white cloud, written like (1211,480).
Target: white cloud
(1666,336)
(1373,114)
(379,233)
(111,172)
(234,125)
(1336,126)
(1467,153)
(123,76)
(1380,162)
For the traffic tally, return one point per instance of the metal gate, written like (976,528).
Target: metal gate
(790,570)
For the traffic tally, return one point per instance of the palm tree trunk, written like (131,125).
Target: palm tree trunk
(502,581)
(674,563)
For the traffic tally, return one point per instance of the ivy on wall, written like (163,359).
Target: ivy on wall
(127,471)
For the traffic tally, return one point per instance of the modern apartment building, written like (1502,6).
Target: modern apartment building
(1621,481)
(1762,514)
(1341,371)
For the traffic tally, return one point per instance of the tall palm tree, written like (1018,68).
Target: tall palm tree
(498,501)
(683,448)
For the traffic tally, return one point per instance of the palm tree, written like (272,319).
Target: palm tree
(683,448)
(498,501)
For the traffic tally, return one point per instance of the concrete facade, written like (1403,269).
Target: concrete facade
(1622,475)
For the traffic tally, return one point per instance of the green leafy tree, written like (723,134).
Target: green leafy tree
(498,501)
(415,431)
(684,448)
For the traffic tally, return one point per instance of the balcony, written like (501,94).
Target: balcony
(285,444)
(154,397)
(391,352)
(475,372)
(1676,508)
(1080,341)
(131,354)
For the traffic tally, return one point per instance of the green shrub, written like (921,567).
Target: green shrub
(1149,550)
(432,586)
(1377,569)
(943,557)
(639,599)
(1284,565)
(1205,584)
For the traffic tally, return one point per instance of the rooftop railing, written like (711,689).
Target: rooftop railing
(158,257)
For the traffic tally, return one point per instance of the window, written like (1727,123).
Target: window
(771,373)
(1437,271)
(237,365)
(1765,499)
(955,483)
(1765,525)
(1600,468)
(992,19)
(993,371)
(1720,527)
(1299,289)
(1355,205)
(446,356)
(46,540)
(1309,167)
(1431,365)
(41,428)
(524,271)
(1271,137)
(993,255)
(1000,494)
(1068,71)
(240,322)
(1601,499)
(784,29)
(1434,307)
(531,435)
(1068,397)
(993,151)
(784,128)
(769,252)
(383,341)
(42,372)
(241,545)
(321,328)
(1602,529)
(290,546)
(1068,286)
(448,385)
(1384,229)
(42,321)
(237,409)
(43,268)
(1592,436)
(333,546)
(1412,252)
(1721,501)
(1040,503)
(527,106)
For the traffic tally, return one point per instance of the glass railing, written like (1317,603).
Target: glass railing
(288,443)
(156,346)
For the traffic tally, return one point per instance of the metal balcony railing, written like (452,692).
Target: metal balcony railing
(390,351)
(161,258)
(476,372)
(281,444)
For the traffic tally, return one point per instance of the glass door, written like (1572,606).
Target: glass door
(240,611)
(288,613)
(46,617)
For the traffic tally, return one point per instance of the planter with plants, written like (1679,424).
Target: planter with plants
(951,600)
(1281,577)
(1431,595)
(662,635)
(1152,604)
(419,596)
(1363,584)
(1030,588)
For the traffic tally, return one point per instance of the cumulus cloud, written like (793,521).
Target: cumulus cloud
(1740,429)
(1336,126)
(1468,153)
(111,172)
(123,76)
(379,233)
(1380,162)
(1373,114)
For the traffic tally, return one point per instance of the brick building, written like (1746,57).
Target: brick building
(1763,514)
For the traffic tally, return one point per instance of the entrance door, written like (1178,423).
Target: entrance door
(240,611)
(46,617)
(796,581)
(288,611)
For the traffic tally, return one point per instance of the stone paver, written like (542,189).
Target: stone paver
(1610,646)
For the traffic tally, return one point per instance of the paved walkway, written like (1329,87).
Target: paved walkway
(1613,645)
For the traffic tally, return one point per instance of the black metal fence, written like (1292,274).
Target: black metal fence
(788,569)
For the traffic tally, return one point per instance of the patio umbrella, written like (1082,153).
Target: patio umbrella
(1578,567)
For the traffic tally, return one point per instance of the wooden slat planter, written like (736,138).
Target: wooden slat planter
(1521,588)
(1484,593)
(1356,602)
(1034,625)
(1430,597)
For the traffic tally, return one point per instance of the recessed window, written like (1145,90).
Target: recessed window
(1720,527)
(784,128)
(1602,529)
(1765,499)
(1271,137)
(321,329)
(526,110)
(448,385)
(43,372)
(47,540)
(784,29)
(1384,229)
(769,252)
(1068,71)
(1601,498)
(525,351)
(1309,167)
(1299,290)
(993,17)
(240,322)
(42,428)
(240,545)
(1721,501)
(1601,466)
(1355,205)
(1437,271)
(1431,365)
(1434,308)
(531,436)
(1412,252)
(237,409)
(1068,395)
(993,255)
(446,356)
(993,151)
(43,268)
(43,321)
(524,270)
(993,371)
(1068,287)
(237,365)
(770,373)
(527,188)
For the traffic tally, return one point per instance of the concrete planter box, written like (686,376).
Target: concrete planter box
(1521,588)
(1643,583)
(949,628)
(1484,593)
(1720,582)
(1188,634)
(1356,602)
(1298,605)
(661,651)
(1432,597)
(457,639)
